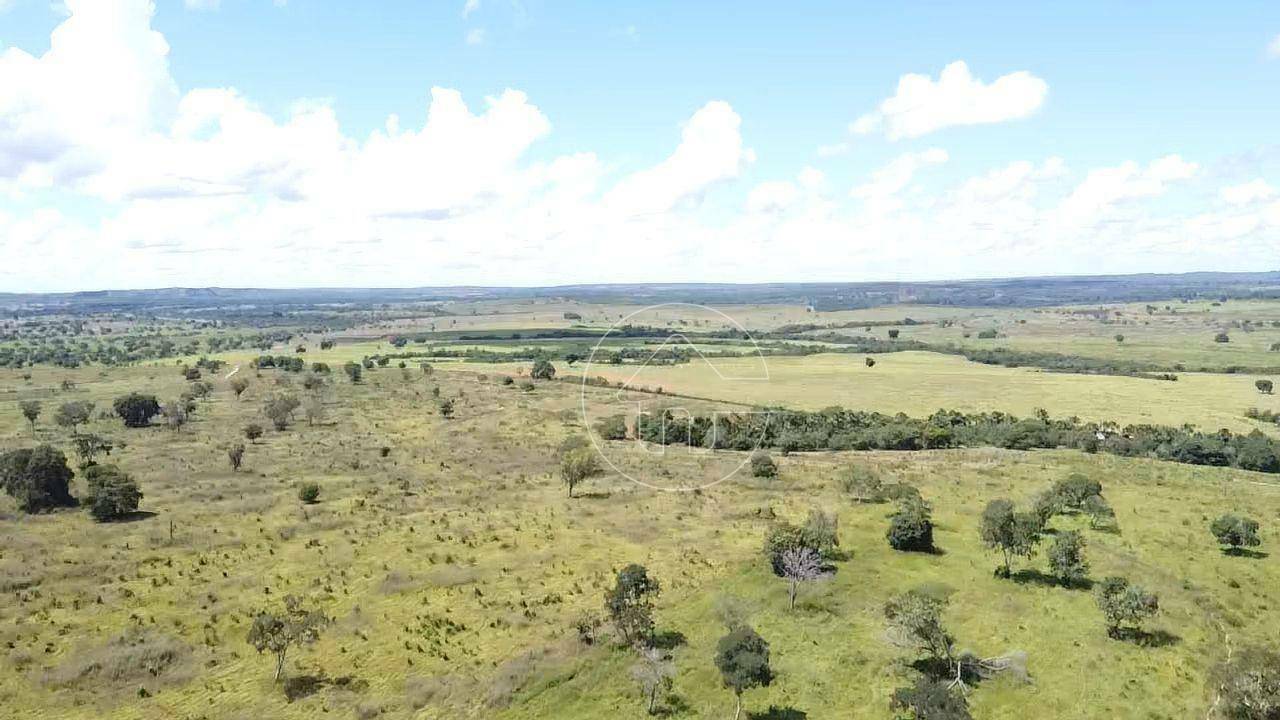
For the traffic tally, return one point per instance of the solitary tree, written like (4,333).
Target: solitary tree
(1013,534)
(1066,558)
(175,414)
(314,411)
(252,432)
(1222,338)
(136,409)
(1125,606)
(630,602)
(1119,338)
(235,454)
(871,362)
(279,410)
(655,673)
(1266,387)
(278,633)
(73,414)
(353,370)
(239,385)
(742,657)
(911,527)
(1236,532)
(543,370)
(763,466)
(445,407)
(578,465)
(915,623)
(112,493)
(38,479)
(799,564)
(30,411)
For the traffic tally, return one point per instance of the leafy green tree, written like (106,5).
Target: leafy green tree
(252,432)
(1236,532)
(1066,558)
(277,634)
(862,484)
(1099,511)
(136,409)
(1119,338)
(629,603)
(578,465)
(915,623)
(870,362)
(931,699)
(279,410)
(911,527)
(89,446)
(445,406)
(1222,338)
(1125,606)
(1266,387)
(542,370)
(239,385)
(1075,489)
(742,657)
(763,466)
(354,371)
(73,414)
(31,411)
(38,479)
(1012,533)
(111,493)
(613,427)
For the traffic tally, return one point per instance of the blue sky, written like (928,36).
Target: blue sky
(1130,82)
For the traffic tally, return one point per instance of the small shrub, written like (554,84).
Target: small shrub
(309,493)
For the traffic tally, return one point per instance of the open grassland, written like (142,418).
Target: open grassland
(919,383)
(453,564)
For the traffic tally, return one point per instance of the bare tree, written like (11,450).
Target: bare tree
(277,633)
(236,455)
(800,564)
(654,673)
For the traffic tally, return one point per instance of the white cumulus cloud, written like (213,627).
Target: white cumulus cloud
(923,105)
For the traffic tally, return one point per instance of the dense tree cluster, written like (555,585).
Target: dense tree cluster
(841,429)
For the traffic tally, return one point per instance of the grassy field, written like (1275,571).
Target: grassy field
(454,570)
(454,566)
(920,383)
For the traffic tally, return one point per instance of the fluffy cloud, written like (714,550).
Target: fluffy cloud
(922,105)
(112,177)
(710,151)
(1247,193)
(879,193)
(1104,188)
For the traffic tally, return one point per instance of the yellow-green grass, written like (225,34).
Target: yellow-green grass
(1164,337)
(920,383)
(464,520)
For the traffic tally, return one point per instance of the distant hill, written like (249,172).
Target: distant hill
(1036,291)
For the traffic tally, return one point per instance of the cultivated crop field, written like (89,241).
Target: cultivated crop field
(457,577)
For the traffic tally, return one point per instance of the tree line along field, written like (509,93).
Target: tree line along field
(456,577)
